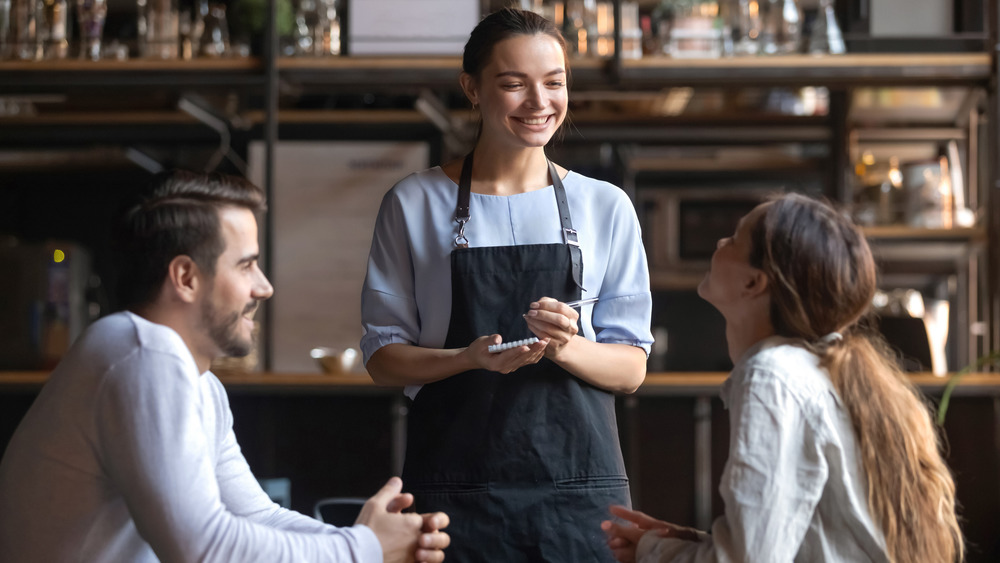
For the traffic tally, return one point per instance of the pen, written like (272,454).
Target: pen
(581,302)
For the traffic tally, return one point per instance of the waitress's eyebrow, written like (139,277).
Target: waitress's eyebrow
(518,74)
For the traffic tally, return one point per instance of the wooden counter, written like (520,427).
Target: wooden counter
(657,383)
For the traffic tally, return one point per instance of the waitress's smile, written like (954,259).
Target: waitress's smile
(541,123)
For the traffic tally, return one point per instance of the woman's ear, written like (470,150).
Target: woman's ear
(470,88)
(184,278)
(756,283)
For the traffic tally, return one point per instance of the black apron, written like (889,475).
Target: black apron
(527,463)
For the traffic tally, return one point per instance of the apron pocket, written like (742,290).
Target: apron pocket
(591,483)
(447,488)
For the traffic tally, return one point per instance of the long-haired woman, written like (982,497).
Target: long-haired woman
(833,454)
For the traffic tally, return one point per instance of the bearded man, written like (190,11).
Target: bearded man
(128,453)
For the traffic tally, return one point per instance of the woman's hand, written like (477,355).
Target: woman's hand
(552,320)
(623,538)
(507,360)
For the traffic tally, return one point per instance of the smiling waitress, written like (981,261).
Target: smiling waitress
(519,447)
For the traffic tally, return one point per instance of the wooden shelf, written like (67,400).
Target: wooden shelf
(134,65)
(902,232)
(35,76)
(814,70)
(412,73)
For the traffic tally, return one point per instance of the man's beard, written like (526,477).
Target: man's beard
(225,332)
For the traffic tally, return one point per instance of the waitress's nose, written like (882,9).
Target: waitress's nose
(536,97)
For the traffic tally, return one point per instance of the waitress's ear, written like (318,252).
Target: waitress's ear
(471,88)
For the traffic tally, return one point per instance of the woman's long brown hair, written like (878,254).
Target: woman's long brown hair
(823,278)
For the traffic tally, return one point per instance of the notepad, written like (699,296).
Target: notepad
(514,344)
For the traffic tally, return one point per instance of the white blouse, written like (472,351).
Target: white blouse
(793,485)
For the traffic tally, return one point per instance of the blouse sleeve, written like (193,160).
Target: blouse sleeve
(624,313)
(771,485)
(388,306)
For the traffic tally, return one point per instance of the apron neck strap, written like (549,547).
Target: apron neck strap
(569,233)
(570,238)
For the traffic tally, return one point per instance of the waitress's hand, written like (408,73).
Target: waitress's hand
(552,320)
(508,360)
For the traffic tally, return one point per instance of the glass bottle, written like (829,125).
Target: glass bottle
(330,40)
(749,25)
(781,30)
(90,16)
(5,6)
(23,30)
(826,37)
(162,29)
(215,35)
(52,32)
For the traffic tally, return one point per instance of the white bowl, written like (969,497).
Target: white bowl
(336,361)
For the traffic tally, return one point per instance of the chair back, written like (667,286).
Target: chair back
(338,511)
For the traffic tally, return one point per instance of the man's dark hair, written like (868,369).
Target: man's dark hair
(176,214)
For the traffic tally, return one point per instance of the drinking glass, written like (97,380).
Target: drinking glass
(90,15)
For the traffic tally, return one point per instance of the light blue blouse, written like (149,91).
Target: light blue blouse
(407,291)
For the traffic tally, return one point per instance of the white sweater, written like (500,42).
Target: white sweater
(128,454)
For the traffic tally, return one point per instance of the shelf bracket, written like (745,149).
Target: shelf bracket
(198,108)
(458,134)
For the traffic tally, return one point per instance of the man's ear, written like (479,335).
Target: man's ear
(470,88)
(184,277)
(756,283)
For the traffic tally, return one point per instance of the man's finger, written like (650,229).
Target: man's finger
(434,540)
(429,556)
(389,491)
(400,502)
(435,521)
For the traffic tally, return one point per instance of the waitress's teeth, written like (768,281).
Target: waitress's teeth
(535,121)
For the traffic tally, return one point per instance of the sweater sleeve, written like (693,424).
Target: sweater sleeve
(158,455)
(240,491)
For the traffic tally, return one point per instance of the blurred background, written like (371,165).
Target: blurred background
(697,109)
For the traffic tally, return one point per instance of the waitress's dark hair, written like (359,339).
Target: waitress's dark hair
(504,24)
(822,279)
(176,214)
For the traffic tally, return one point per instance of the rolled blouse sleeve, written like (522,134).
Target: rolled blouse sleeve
(388,307)
(623,314)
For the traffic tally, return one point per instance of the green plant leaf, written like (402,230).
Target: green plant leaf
(953,381)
